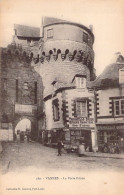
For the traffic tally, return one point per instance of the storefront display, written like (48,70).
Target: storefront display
(111,138)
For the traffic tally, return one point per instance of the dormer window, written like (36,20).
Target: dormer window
(121,76)
(80,82)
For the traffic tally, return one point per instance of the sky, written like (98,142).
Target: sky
(106,16)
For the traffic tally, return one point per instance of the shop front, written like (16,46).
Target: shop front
(81,130)
(81,134)
(111,137)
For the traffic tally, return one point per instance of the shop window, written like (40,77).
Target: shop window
(81,109)
(101,136)
(55,110)
(50,33)
(119,107)
(85,37)
(80,82)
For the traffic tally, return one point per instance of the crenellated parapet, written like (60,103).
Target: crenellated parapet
(55,54)
(17,53)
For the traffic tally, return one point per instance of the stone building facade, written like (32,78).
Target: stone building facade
(110,106)
(70,114)
(20,85)
(45,75)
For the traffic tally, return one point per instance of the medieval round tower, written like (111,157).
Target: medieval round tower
(65,49)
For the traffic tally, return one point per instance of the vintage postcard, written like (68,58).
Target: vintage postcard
(61,97)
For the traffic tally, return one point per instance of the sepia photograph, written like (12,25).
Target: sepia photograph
(61,97)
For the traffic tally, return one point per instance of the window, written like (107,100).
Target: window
(121,76)
(55,110)
(16,90)
(50,33)
(25,86)
(81,108)
(35,86)
(80,82)
(4,81)
(119,107)
(85,37)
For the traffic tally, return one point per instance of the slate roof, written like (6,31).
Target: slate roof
(26,31)
(110,76)
(50,20)
(62,84)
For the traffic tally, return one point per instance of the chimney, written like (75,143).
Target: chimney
(91,27)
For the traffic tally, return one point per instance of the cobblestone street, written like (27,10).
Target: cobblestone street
(19,156)
(31,168)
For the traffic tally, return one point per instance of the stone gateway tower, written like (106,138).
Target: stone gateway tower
(45,78)
(20,85)
(66,64)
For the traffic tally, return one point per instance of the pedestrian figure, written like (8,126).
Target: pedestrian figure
(28,136)
(22,136)
(60,146)
(18,135)
(81,150)
(15,137)
(81,147)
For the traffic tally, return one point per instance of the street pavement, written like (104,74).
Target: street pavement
(18,156)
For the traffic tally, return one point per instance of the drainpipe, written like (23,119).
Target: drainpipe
(95,121)
(95,106)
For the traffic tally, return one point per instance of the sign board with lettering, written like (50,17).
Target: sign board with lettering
(81,122)
(111,127)
(21,108)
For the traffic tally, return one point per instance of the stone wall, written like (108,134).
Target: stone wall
(105,112)
(67,32)
(66,107)
(21,84)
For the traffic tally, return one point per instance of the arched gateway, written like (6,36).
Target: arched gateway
(24,123)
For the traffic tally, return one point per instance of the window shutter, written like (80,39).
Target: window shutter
(75,114)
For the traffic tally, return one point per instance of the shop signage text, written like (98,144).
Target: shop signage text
(81,122)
